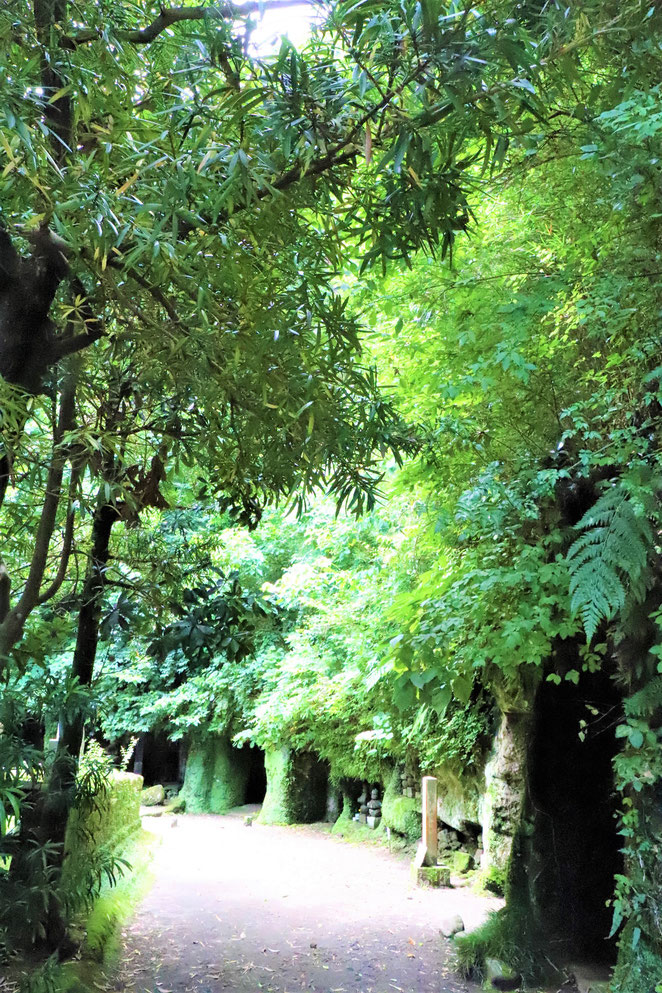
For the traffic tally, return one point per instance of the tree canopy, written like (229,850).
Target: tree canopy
(408,271)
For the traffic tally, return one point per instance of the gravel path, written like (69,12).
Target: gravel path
(283,910)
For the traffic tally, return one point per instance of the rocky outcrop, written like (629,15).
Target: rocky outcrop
(296,787)
(505,792)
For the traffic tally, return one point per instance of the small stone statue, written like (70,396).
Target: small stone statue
(374,809)
(363,806)
(374,805)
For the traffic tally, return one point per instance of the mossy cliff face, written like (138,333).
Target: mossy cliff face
(401,813)
(216,776)
(460,797)
(296,788)
(505,790)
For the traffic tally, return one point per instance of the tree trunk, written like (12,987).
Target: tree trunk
(47,821)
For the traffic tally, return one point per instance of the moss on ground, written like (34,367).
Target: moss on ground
(353,831)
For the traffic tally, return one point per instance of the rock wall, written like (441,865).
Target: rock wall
(297,784)
(216,776)
(505,792)
(113,819)
(460,798)
(401,813)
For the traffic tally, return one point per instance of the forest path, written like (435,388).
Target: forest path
(282,910)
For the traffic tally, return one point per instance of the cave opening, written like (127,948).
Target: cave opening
(159,760)
(256,778)
(576,847)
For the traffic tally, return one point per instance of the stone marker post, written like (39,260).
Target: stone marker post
(430,819)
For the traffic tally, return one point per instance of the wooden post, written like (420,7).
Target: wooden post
(429,795)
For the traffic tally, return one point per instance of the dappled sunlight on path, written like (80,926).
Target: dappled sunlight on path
(283,910)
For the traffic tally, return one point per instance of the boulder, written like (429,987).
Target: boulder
(451,926)
(460,862)
(500,976)
(153,796)
(430,875)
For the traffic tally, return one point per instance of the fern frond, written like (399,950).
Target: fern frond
(608,561)
(646,700)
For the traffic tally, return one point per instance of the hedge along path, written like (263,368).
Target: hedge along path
(283,910)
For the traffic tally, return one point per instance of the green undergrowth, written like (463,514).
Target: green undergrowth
(508,936)
(351,830)
(115,904)
(639,964)
(99,929)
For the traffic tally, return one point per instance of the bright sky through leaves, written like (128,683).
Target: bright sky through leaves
(295,22)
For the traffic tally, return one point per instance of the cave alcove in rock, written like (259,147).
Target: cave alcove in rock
(256,778)
(159,760)
(574,848)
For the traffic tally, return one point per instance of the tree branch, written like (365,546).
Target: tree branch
(5,591)
(11,628)
(156,293)
(67,542)
(173,15)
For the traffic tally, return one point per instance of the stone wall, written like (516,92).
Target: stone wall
(107,826)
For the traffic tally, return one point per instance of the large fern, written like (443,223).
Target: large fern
(608,562)
(645,701)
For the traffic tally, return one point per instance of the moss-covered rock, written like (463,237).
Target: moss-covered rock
(430,875)
(216,776)
(344,823)
(401,813)
(153,796)
(296,788)
(103,829)
(459,796)
(460,861)
(508,936)
(505,791)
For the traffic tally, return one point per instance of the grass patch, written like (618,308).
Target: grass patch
(507,935)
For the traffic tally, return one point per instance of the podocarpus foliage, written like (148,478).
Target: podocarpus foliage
(207,198)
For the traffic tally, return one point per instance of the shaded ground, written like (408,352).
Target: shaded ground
(282,910)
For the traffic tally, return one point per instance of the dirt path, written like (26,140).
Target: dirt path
(281,910)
